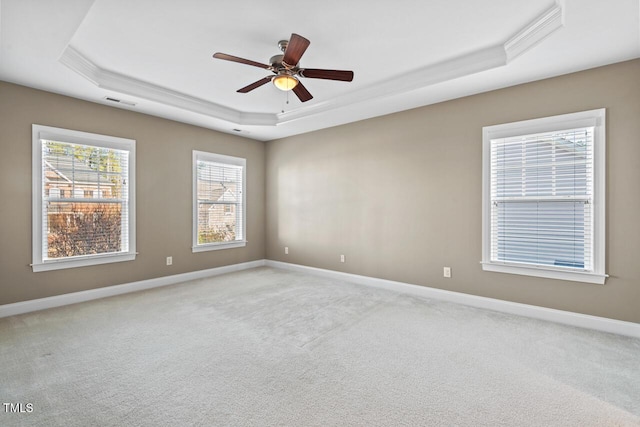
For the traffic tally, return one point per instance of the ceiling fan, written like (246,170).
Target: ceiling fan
(286,69)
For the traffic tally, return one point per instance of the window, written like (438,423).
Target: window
(218,201)
(543,197)
(83,199)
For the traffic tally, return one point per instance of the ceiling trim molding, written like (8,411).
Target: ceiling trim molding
(470,63)
(450,69)
(539,29)
(110,80)
(481,60)
(75,61)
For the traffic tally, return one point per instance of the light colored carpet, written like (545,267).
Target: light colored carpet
(271,347)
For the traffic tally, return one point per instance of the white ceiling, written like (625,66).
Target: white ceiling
(404,53)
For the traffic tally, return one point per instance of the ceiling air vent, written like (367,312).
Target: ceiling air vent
(120,101)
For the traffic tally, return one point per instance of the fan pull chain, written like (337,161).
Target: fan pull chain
(287,101)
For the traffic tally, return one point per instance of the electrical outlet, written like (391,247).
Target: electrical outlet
(286,250)
(341,258)
(447,272)
(169,260)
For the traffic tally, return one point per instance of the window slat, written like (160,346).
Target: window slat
(85,199)
(541,197)
(219,199)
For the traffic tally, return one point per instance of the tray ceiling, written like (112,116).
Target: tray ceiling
(157,55)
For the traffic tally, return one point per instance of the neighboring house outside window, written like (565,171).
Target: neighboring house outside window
(83,199)
(218,201)
(543,197)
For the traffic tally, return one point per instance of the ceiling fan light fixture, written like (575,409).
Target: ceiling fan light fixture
(285,82)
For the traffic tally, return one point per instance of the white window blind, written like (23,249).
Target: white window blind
(542,198)
(219,212)
(83,201)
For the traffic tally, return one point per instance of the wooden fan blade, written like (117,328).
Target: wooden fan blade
(302,93)
(232,58)
(315,73)
(255,85)
(295,49)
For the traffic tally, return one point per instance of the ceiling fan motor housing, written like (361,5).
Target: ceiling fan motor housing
(276,61)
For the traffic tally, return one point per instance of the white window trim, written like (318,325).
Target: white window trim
(217,158)
(40,132)
(595,118)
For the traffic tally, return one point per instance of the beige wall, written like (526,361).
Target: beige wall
(400,195)
(163,189)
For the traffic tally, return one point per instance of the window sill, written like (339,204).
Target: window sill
(219,246)
(81,262)
(548,273)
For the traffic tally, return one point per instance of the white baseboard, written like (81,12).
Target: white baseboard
(559,316)
(108,291)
